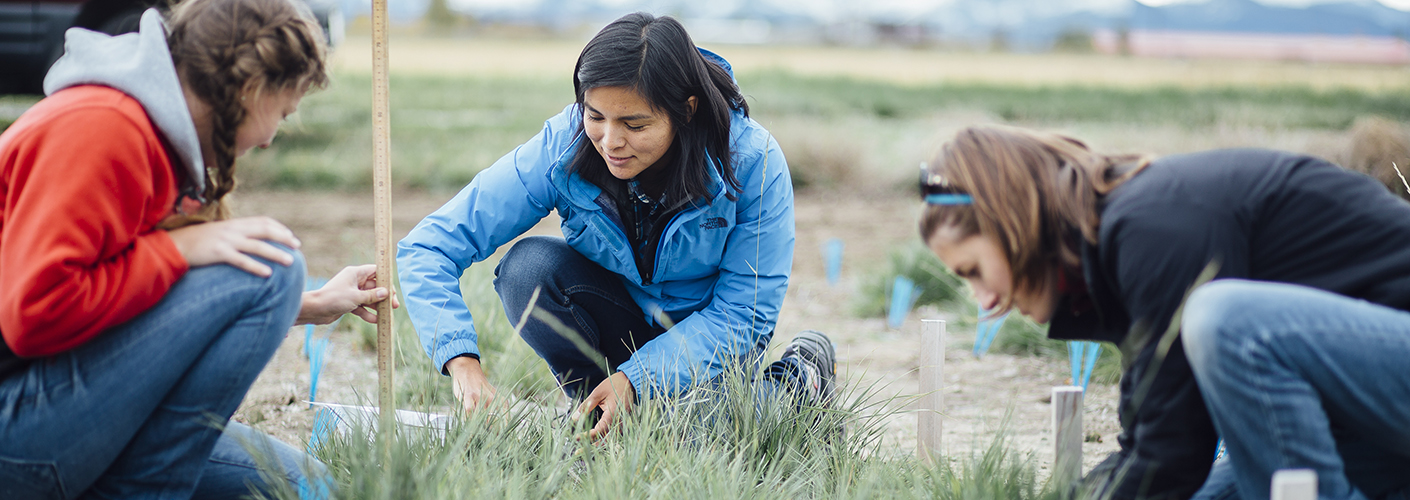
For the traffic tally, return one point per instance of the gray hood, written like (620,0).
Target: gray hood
(138,64)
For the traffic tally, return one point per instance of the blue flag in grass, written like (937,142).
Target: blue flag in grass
(324,424)
(985,332)
(903,296)
(1083,356)
(310,283)
(315,365)
(832,258)
(315,349)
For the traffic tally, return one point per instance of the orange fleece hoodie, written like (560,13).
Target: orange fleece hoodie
(84,179)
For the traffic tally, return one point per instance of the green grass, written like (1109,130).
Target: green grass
(511,365)
(914,261)
(715,443)
(777,94)
(445,130)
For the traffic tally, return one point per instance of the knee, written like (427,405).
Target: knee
(286,284)
(1211,317)
(529,264)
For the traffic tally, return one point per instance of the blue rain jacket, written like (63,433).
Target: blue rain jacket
(721,269)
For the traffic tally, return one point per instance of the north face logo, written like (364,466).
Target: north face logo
(714,223)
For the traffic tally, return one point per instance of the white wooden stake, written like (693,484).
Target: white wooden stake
(932,401)
(1295,484)
(382,214)
(1067,434)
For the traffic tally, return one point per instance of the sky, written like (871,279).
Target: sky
(1394,4)
(921,5)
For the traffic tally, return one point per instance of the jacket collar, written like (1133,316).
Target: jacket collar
(1106,320)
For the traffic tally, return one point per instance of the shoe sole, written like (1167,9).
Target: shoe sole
(824,346)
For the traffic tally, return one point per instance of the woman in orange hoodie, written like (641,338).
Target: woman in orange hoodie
(135,313)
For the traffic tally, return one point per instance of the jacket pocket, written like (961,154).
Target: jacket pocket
(29,479)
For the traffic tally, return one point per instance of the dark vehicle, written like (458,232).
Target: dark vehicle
(32,32)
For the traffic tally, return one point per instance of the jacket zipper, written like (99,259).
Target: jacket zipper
(656,261)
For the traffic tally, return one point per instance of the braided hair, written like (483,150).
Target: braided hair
(228,52)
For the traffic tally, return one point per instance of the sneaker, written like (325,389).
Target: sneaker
(819,359)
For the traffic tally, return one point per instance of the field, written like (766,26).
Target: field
(854,123)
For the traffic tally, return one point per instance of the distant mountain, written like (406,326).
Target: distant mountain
(1246,16)
(1035,24)
(1022,24)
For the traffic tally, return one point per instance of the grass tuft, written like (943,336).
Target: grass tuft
(916,262)
(716,442)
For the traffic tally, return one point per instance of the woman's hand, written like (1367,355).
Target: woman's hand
(352,290)
(469,384)
(615,396)
(236,242)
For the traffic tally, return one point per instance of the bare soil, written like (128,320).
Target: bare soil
(336,230)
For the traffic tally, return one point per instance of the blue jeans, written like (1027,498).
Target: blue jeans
(137,411)
(1296,377)
(594,304)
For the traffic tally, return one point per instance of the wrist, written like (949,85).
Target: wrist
(464,364)
(309,302)
(627,383)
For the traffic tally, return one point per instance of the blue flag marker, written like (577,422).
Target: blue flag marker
(903,295)
(985,332)
(1083,356)
(315,365)
(316,489)
(315,348)
(325,422)
(310,283)
(316,354)
(832,257)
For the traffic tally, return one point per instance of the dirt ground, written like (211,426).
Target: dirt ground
(336,229)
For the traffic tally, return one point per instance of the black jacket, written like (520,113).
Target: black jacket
(1257,214)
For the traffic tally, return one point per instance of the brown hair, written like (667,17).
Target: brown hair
(230,50)
(1032,191)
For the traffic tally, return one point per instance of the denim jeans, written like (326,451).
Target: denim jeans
(137,411)
(1296,377)
(593,303)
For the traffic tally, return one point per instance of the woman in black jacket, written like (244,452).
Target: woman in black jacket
(1277,354)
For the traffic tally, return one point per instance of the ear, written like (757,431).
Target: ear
(689,108)
(251,90)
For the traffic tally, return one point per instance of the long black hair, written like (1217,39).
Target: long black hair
(655,57)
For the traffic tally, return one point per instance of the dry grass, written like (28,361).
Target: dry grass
(1377,146)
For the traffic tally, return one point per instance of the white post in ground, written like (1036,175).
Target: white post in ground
(932,401)
(1067,434)
(1295,484)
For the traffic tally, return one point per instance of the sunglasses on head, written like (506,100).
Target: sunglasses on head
(936,190)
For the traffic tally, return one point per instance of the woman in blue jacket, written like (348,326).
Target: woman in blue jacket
(677,213)
(1294,354)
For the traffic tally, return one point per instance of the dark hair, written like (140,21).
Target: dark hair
(655,57)
(227,50)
